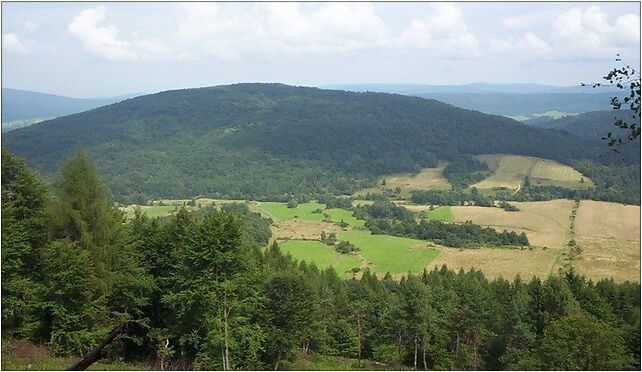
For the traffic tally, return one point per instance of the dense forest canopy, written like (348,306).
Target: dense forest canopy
(272,140)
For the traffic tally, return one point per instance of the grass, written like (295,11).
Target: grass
(280,212)
(426,179)
(322,255)
(494,262)
(444,213)
(509,171)
(390,253)
(609,237)
(318,362)
(151,210)
(23,355)
(545,223)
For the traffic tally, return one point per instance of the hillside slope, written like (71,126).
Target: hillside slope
(589,124)
(259,140)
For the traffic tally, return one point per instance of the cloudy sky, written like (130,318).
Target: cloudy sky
(105,49)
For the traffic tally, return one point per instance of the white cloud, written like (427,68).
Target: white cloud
(575,34)
(589,34)
(104,41)
(101,41)
(528,45)
(228,32)
(12,44)
(444,33)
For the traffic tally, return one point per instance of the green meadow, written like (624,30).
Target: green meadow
(280,212)
(444,213)
(322,255)
(151,211)
(390,253)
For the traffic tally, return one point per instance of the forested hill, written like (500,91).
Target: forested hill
(589,124)
(258,140)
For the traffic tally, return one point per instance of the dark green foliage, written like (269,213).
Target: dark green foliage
(332,201)
(254,228)
(289,315)
(345,247)
(464,235)
(465,170)
(24,235)
(253,141)
(329,239)
(292,203)
(508,207)
(581,342)
(451,197)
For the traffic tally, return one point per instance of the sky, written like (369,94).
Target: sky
(91,49)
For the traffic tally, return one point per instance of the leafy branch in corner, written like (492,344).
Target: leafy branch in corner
(624,78)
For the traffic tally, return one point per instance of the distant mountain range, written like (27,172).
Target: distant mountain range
(31,106)
(473,88)
(519,101)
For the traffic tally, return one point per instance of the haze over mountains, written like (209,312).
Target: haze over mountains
(522,101)
(474,88)
(268,139)
(28,105)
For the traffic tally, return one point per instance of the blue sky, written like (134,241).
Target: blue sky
(105,49)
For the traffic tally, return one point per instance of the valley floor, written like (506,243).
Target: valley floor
(608,236)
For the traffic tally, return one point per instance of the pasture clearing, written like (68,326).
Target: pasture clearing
(444,213)
(151,211)
(322,255)
(301,229)
(510,170)
(498,262)
(609,237)
(390,253)
(545,223)
(280,212)
(426,179)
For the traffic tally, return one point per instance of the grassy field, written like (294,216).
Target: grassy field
(545,223)
(390,253)
(24,355)
(301,229)
(427,178)
(322,255)
(150,210)
(497,262)
(444,213)
(509,171)
(303,211)
(609,236)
